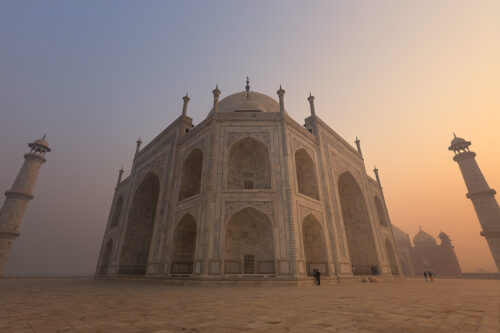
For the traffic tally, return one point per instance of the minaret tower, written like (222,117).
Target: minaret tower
(481,195)
(18,196)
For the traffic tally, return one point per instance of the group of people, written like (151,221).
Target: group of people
(428,276)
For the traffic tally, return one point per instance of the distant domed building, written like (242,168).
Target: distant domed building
(426,255)
(247,193)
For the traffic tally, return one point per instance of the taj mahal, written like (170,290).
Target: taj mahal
(248,193)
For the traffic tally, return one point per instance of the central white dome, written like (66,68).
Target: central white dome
(248,102)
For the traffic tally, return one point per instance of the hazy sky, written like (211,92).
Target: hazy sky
(94,76)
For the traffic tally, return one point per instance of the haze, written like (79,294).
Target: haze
(94,76)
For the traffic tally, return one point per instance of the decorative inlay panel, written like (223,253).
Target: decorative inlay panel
(262,136)
(232,206)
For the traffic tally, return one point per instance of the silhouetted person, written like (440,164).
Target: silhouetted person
(373,270)
(317,275)
(425,276)
(430,276)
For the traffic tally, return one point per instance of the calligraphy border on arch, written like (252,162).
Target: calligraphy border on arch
(267,207)
(261,136)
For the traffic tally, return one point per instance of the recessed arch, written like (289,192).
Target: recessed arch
(106,257)
(191,174)
(380,212)
(249,243)
(314,245)
(184,246)
(135,249)
(249,165)
(306,174)
(359,234)
(115,220)
(392,257)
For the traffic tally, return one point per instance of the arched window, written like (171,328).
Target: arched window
(191,174)
(306,174)
(184,246)
(360,239)
(117,212)
(380,212)
(248,165)
(135,250)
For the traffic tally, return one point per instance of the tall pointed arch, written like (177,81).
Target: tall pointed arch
(314,245)
(184,246)
(249,165)
(392,257)
(359,234)
(249,243)
(380,212)
(191,174)
(106,257)
(306,174)
(135,249)
(115,220)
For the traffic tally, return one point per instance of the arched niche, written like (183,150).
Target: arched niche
(249,243)
(184,246)
(306,174)
(380,212)
(106,257)
(191,174)
(314,245)
(249,166)
(392,257)
(360,238)
(135,249)
(115,220)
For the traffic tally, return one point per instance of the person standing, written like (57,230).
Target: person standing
(430,276)
(425,276)
(317,276)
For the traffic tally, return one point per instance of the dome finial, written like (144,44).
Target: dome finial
(454,135)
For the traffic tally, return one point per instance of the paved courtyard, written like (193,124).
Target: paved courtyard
(403,305)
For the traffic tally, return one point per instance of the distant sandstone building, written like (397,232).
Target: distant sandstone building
(426,255)
(481,195)
(246,193)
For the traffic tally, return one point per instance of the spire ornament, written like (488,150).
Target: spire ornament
(247,87)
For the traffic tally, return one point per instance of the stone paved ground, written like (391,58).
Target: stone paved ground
(403,305)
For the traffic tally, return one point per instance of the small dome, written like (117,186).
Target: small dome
(456,140)
(41,142)
(255,102)
(459,144)
(423,239)
(40,145)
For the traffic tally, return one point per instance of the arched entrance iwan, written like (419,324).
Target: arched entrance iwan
(392,257)
(249,166)
(360,239)
(135,249)
(306,174)
(191,174)
(184,246)
(106,257)
(314,245)
(249,243)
